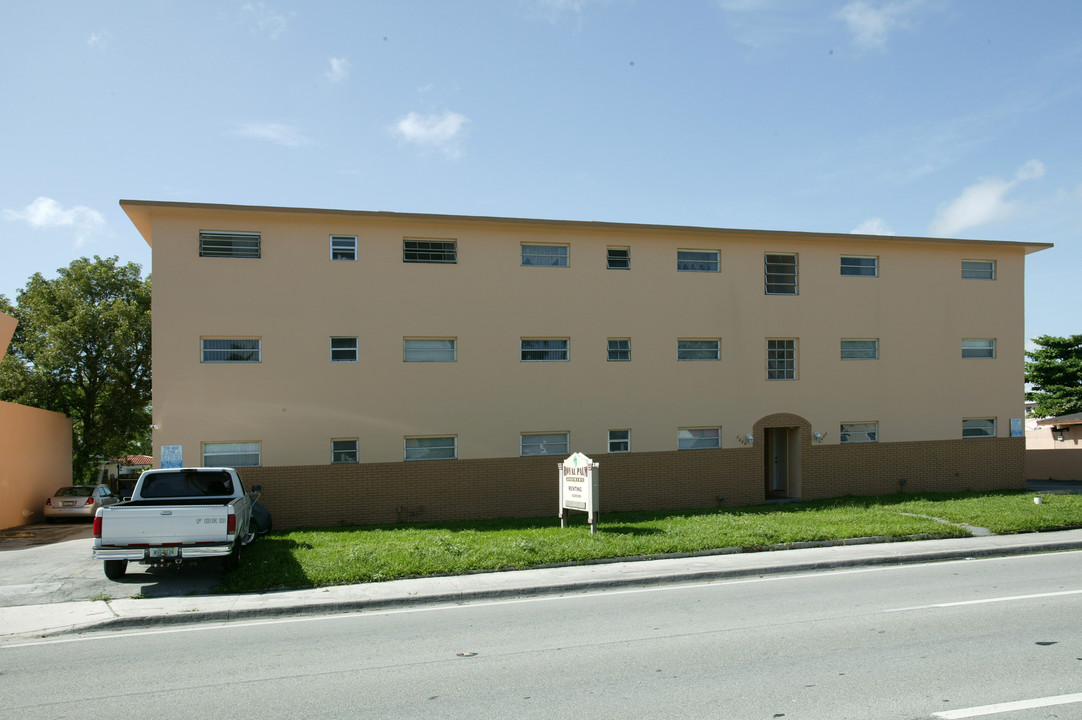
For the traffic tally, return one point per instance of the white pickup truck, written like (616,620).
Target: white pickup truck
(176,515)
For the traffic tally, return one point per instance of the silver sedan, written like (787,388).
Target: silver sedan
(78,501)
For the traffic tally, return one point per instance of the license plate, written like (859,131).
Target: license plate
(67,503)
(163,552)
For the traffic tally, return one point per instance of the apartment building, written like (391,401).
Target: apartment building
(370,367)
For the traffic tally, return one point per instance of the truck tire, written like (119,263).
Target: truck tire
(114,569)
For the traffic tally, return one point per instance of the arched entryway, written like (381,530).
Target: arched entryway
(784,438)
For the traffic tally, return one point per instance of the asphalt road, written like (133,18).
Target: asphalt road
(892,643)
(45,563)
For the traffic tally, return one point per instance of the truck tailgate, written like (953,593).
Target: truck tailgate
(181,524)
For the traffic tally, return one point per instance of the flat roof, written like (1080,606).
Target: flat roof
(139,212)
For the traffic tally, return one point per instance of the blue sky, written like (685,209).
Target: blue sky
(946,118)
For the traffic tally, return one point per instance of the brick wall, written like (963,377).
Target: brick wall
(932,466)
(377,493)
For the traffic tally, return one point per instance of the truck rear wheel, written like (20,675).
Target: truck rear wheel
(114,569)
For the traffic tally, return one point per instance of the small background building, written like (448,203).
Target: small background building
(121,474)
(1054,448)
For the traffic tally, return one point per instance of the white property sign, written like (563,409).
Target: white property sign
(579,488)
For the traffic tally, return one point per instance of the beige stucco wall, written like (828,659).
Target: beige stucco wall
(36,449)
(294,298)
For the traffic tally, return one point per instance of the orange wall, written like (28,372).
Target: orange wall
(35,459)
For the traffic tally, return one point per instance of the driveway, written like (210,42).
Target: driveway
(42,564)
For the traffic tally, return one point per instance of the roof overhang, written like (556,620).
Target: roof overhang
(139,212)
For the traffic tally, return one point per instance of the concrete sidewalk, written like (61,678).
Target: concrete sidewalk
(30,621)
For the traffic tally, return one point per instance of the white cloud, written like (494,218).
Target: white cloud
(872,226)
(339,69)
(763,24)
(263,20)
(871,25)
(443,132)
(99,39)
(555,11)
(46,214)
(983,202)
(273,132)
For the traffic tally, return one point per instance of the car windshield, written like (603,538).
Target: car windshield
(76,491)
(187,484)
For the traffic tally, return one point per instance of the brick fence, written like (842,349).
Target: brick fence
(443,490)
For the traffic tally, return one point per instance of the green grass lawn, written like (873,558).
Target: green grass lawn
(338,556)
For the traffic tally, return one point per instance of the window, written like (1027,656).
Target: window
(698,260)
(229,244)
(343,349)
(343,247)
(979,269)
(619,441)
(780,274)
(979,428)
(860,349)
(618,258)
(231,454)
(545,255)
(545,444)
(430,251)
(544,350)
(698,438)
(978,347)
(344,451)
(431,448)
(231,350)
(429,350)
(781,359)
(698,349)
(619,349)
(860,266)
(860,432)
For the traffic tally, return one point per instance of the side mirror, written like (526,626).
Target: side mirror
(257,488)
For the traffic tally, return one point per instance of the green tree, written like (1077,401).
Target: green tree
(1054,372)
(82,348)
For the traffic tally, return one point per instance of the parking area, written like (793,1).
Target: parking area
(51,563)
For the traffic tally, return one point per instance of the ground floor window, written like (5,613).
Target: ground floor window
(860,432)
(345,451)
(431,448)
(545,444)
(698,438)
(231,454)
(619,441)
(979,427)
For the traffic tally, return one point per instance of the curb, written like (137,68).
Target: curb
(303,609)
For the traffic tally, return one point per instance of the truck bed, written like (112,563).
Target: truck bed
(164,502)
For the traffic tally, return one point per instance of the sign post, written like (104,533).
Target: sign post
(579,488)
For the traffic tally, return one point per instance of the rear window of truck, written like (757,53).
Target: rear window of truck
(187,484)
